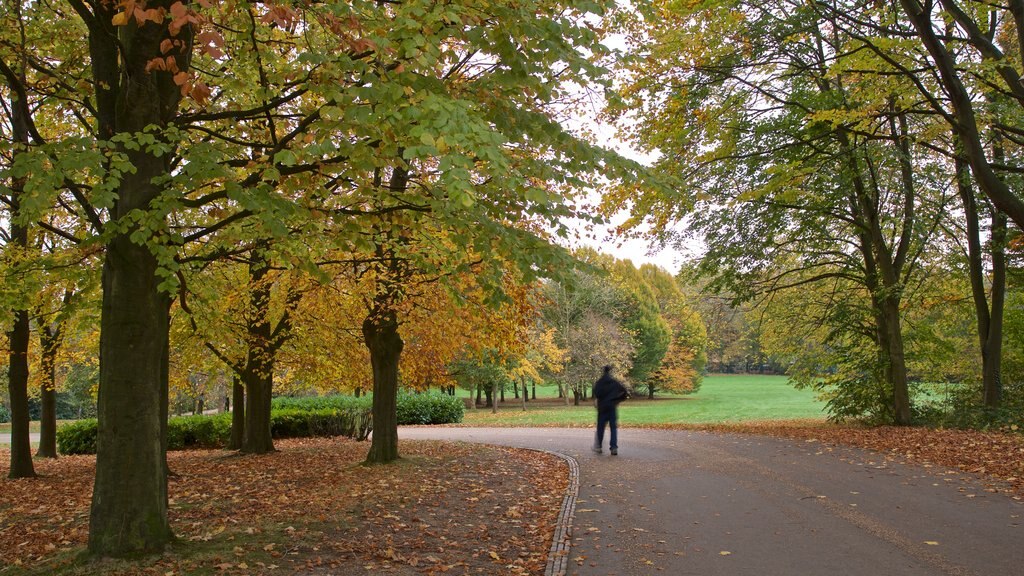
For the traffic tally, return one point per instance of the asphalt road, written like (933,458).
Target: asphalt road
(680,503)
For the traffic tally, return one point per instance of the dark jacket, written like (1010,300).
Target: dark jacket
(608,392)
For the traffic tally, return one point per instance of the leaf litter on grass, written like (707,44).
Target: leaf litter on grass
(309,508)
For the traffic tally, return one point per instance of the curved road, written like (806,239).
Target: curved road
(681,502)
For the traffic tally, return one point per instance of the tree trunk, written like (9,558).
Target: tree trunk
(129,503)
(524,393)
(501,392)
(989,321)
(48,343)
(17,387)
(489,396)
(492,396)
(258,375)
(380,333)
(237,414)
(17,250)
(534,387)
(479,394)
(257,438)
(575,397)
(993,348)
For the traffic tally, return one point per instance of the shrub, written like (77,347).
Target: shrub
(77,437)
(295,423)
(332,402)
(5,414)
(426,408)
(429,408)
(200,431)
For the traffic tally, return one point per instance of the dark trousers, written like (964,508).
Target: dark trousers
(608,416)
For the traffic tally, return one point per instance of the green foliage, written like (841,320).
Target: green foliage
(298,423)
(332,402)
(429,408)
(77,437)
(425,408)
(198,431)
(213,431)
(5,414)
(960,405)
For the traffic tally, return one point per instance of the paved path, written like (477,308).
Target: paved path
(680,503)
(5,439)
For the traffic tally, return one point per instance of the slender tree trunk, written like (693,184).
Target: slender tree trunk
(534,386)
(489,395)
(989,321)
(992,371)
(49,341)
(501,392)
(524,393)
(492,396)
(17,388)
(479,394)
(380,333)
(17,250)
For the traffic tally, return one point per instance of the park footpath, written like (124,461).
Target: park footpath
(688,503)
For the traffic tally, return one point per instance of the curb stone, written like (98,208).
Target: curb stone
(558,557)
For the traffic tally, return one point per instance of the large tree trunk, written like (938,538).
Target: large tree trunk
(129,503)
(237,414)
(380,333)
(49,341)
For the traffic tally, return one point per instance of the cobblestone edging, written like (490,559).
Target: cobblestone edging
(558,557)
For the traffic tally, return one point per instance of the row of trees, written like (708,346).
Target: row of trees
(852,168)
(233,176)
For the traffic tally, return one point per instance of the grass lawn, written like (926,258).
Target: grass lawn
(722,398)
(5,428)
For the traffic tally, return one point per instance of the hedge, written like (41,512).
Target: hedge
(429,408)
(5,414)
(184,432)
(424,408)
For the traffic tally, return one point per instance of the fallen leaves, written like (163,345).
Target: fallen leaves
(312,507)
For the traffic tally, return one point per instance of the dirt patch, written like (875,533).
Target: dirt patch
(310,508)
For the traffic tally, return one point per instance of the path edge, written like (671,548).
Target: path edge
(558,556)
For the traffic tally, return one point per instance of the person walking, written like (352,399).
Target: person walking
(608,392)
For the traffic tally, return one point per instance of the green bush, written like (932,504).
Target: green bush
(426,408)
(198,431)
(429,408)
(185,432)
(5,414)
(332,402)
(77,437)
(294,423)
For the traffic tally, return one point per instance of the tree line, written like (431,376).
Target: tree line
(853,170)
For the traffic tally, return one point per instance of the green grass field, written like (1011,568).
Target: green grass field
(722,398)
